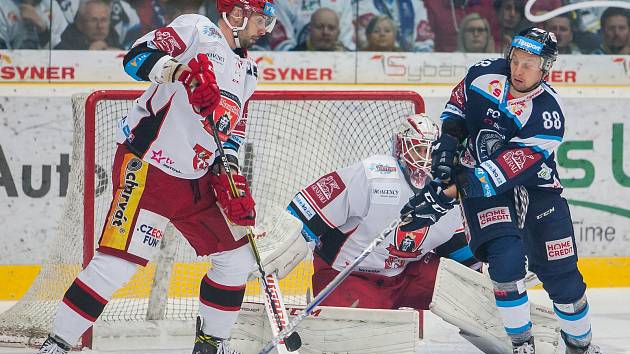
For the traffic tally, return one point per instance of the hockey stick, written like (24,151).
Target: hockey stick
(330,287)
(274,303)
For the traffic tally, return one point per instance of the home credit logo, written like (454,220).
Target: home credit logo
(300,73)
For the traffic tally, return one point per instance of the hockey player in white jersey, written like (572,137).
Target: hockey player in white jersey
(343,211)
(163,170)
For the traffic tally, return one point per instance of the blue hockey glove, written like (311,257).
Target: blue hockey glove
(425,208)
(442,157)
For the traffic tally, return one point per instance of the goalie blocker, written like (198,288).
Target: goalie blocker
(280,243)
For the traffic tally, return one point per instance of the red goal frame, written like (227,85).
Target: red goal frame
(261,95)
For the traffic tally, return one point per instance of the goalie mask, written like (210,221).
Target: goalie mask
(265,8)
(412,147)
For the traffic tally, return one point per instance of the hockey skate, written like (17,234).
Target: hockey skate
(567,348)
(525,347)
(54,345)
(205,344)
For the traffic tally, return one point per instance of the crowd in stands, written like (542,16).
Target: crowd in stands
(473,26)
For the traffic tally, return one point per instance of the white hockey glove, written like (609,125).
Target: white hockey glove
(280,243)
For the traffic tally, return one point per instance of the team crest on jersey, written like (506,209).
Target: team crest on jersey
(325,189)
(226,115)
(167,40)
(488,142)
(201,160)
(407,244)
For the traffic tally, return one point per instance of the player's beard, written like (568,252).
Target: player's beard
(246,42)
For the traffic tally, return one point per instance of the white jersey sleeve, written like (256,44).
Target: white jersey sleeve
(336,200)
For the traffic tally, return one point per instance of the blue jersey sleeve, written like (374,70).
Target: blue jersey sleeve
(519,161)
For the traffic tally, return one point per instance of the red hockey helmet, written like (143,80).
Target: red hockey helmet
(265,8)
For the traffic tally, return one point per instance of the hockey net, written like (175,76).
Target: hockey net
(292,138)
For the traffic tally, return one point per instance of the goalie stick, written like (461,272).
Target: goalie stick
(330,287)
(273,299)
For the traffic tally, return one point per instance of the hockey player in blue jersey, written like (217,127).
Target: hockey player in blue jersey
(508,122)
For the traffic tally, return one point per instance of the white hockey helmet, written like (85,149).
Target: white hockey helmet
(412,146)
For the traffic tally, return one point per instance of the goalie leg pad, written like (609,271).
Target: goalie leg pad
(476,311)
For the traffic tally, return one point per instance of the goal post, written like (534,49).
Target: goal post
(293,137)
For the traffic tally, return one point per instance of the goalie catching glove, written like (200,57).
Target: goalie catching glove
(239,209)
(425,208)
(280,243)
(201,85)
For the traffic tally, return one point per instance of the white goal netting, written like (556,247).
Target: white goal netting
(292,138)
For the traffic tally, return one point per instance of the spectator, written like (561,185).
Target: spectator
(126,23)
(586,27)
(209,9)
(615,24)
(293,20)
(62,15)
(446,15)
(511,19)
(410,16)
(11,26)
(323,32)
(124,20)
(153,13)
(91,28)
(36,18)
(381,35)
(474,35)
(562,27)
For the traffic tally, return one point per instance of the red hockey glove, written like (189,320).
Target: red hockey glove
(201,85)
(239,210)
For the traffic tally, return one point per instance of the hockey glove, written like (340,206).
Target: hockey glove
(425,208)
(474,182)
(240,209)
(201,85)
(442,157)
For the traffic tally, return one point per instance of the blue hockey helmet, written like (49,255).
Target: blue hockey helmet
(538,42)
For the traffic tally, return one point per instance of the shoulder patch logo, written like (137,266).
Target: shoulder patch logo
(326,189)
(513,162)
(545,172)
(167,40)
(211,31)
